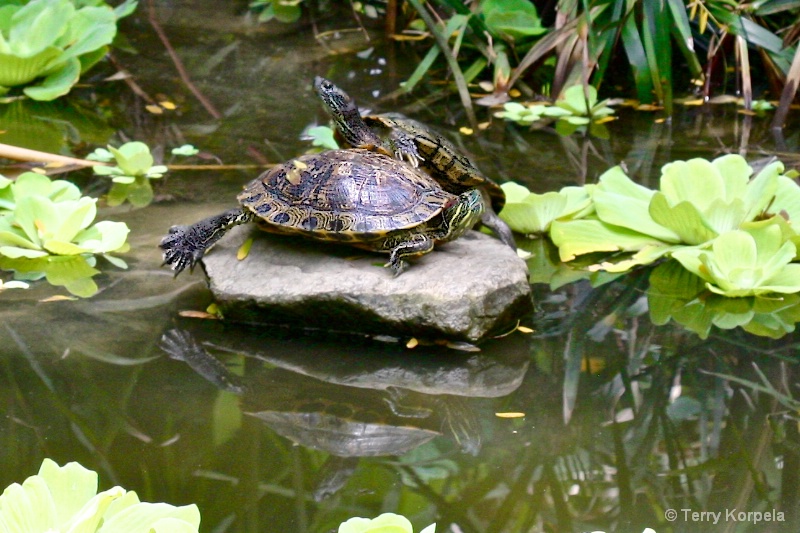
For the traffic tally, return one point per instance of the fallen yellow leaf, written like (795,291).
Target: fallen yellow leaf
(244,249)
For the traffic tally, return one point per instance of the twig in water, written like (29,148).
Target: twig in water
(151,16)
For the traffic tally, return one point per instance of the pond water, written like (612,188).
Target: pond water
(598,420)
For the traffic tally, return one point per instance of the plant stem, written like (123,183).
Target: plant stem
(452,62)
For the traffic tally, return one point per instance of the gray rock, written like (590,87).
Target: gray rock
(463,290)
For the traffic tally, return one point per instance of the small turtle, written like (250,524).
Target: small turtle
(357,197)
(406,139)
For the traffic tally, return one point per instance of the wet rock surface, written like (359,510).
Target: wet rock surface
(463,290)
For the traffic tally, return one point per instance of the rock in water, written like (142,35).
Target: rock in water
(465,290)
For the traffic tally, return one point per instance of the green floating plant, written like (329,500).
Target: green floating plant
(133,159)
(677,294)
(47,231)
(66,499)
(512,20)
(321,136)
(45,45)
(385,523)
(185,150)
(531,213)
(753,261)
(579,106)
(697,201)
(522,114)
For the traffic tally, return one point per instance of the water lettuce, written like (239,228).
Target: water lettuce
(47,230)
(731,228)
(579,106)
(45,45)
(753,261)
(133,159)
(385,523)
(66,499)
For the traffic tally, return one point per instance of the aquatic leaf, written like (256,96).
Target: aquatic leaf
(747,262)
(512,19)
(38,25)
(57,247)
(21,70)
(90,28)
(104,236)
(186,150)
(56,83)
(535,213)
(621,202)
(384,523)
(133,158)
(322,136)
(578,237)
(787,198)
(684,219)
(244,249)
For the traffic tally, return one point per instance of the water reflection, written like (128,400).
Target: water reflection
(658,418)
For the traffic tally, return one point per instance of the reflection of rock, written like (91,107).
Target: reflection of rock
(465,289)
(495,371)
(355,400)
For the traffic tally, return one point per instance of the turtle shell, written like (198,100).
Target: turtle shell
(454,171)
(353,196)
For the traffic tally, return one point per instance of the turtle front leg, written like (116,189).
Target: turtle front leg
(404,147)
(422,245)
(184,246)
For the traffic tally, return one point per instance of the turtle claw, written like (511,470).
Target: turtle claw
(179,249)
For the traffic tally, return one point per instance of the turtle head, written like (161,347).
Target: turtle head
(337,102)
(344,112)
(462,213)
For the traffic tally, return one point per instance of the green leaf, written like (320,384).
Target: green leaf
(133,158)
(80,217)
(38,25)
(16,252)
(620,201)
(70,486)
(683,219)
(385,523)
(56,84)
(535,213)
(578,237)
(15,70)
(103,237)
(90,28)
(286,12)
(189,150)
(638,60)
(143,516)
(512,19)
(57,247)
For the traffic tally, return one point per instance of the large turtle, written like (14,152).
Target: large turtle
(406,139)
(357,197)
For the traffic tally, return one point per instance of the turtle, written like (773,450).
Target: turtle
(405,139)
(357,197)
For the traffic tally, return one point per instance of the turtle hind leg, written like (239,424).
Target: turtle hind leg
(498,227)
(184,246)
(397,261)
